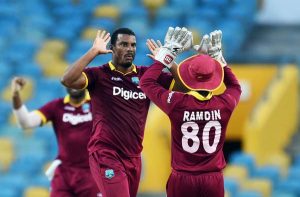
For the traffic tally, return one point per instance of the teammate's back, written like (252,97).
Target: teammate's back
(199,127)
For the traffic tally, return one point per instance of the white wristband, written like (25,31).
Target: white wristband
(166,57)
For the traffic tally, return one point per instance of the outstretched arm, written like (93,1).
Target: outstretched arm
(73,77)
(24,118)
(154,48)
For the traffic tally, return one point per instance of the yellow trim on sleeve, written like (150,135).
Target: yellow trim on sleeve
(199,96)
(172,84)
(44,119)
(86,81)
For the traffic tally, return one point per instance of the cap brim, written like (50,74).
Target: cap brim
(193,84)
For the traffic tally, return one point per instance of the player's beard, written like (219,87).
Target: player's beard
(76,94)
(126,65)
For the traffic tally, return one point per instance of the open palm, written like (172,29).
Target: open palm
(101,41)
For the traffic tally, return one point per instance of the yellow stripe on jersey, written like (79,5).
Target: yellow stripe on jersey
(172,84)
(199,96)
(86,80)
(44,119)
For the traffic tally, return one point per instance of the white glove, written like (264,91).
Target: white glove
(175,43)
(215,51)
(204,45)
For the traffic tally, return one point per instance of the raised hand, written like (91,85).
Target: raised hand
(204,45)
(153,47)
(17,84)
(215,51)
(175,42)
(101,41)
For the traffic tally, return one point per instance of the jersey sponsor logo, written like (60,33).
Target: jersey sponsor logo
(168,59)
(116,79)
(69,108)
(128,94)
(169,97)
(109,173)
(135,80)
(75,119)
(86,107)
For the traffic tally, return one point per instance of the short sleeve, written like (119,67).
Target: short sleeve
(90,74)
(48,110)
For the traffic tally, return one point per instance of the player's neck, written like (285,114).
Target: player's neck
(122,69)
(76,102)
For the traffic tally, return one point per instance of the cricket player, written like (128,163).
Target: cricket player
(71,119)
(198,118)
(119,110)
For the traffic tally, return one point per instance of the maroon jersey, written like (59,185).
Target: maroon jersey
(198,123)
(72,126)
(119,108)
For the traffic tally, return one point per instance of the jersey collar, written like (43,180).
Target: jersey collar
(199,96)
(68,100)
(112,67)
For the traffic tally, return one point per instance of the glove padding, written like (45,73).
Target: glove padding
(215,51)
(212,45)
(176,41)
(204,45)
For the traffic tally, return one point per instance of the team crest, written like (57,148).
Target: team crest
(86,107)
(135,80)
(109,173)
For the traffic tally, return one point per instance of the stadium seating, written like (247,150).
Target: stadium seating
(7,154)
(236,172)
(263,186)
(36,192)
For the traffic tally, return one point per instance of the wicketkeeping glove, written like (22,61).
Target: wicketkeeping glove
(215,51)
(175,43)
(204,45)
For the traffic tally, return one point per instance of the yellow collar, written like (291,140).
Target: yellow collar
(112,67)
(86,98)
(199,96)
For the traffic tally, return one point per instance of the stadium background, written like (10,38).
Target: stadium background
(39,38)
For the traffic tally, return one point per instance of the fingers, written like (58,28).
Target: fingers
(176,33)
(159,43)
(154,43)
(17,84)
(216,37)
(169,34)
(187,41)
(182,35)
(150,45)
(107,37)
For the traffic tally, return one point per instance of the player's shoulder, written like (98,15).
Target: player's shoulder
(97,68)
(55,102)
(58,100)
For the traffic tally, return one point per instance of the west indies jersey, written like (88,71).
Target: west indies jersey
(198,123)
(72,126)
(119,108)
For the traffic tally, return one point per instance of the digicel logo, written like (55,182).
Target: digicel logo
(128,94)
(168,59)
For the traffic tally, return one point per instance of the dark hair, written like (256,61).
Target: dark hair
(115,34)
